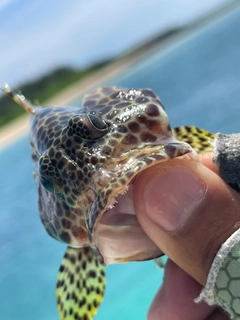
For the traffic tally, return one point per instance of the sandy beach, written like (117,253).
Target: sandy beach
(19,127)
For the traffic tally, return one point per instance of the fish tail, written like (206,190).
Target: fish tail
(80,284)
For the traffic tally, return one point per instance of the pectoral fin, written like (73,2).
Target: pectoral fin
(80,285)
(198,139)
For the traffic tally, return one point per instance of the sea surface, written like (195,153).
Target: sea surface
(198,80)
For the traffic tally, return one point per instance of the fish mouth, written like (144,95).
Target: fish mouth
(120,238)
(117,234)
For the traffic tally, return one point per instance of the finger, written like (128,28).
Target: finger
(188,211)
(206,160)
(175,299)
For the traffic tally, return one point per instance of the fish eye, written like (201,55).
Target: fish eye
(97,122)
(88,126)
(49,175)
(47,184)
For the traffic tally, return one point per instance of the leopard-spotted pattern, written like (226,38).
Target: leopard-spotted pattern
(85,156)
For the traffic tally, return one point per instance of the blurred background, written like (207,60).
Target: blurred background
(46,48)
(186,51)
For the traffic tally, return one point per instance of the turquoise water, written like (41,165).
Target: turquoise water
(198,81)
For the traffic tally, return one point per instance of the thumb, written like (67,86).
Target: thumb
(188,211)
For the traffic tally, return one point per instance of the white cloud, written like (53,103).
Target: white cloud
(5,3)
(38,37)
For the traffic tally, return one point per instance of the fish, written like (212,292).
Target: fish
(85,161)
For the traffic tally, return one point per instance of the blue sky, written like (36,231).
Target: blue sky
(37,36)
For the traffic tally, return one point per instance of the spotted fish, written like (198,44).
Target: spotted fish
(85,160)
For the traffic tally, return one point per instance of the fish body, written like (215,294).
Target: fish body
(85,162)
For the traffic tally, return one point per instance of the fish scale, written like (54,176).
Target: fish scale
(86,158)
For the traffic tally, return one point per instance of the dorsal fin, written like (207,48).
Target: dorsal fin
(199,139)
(19,99)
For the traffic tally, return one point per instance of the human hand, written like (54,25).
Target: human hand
(189,212)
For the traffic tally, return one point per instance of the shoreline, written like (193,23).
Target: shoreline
(19,127)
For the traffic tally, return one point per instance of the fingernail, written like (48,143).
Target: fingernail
(172,195)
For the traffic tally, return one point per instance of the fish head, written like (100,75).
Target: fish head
(86,160)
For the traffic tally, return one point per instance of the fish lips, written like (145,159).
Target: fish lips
(116,233)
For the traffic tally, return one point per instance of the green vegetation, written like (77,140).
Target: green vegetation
(47,86)
(44,88)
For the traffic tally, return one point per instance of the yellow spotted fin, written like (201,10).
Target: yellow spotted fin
(80,285)
(199,139)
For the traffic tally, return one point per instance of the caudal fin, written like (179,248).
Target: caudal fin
(80,284)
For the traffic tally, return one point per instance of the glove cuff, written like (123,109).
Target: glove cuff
(223,282)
